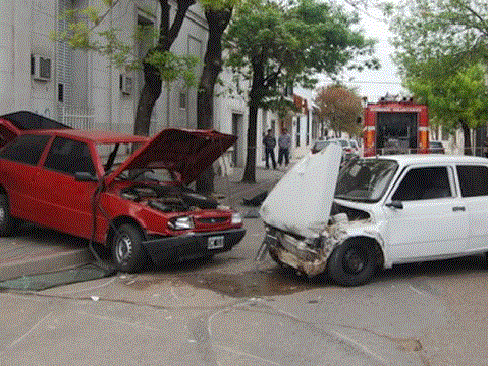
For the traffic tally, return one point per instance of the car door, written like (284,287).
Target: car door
(65,203)
(18,167)
(473,183)
(425,217)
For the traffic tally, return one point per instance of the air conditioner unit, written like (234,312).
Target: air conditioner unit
(41,68)
(125,84)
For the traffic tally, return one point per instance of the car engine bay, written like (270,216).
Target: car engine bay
(168,198)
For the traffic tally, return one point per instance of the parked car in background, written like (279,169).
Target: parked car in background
(354,146)
(89,184)
(382,211)
(319,145)
(350,148)
(12,124)
(435,147)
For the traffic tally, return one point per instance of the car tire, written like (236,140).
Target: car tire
(352,263)
(128,253)
(7,222)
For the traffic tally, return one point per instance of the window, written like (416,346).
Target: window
(424,183)
(473,180)
(26,149)
(69,156)
(61,92)
(182,100)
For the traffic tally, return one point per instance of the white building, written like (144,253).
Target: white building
(84,90)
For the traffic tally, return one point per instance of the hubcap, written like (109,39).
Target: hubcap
(2,214)
(123,248)
(353,261)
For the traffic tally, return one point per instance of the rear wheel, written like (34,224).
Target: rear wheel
(7,222)
(352,263)
(128,253)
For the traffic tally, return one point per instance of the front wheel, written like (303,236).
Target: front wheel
(352,263)
(128,252)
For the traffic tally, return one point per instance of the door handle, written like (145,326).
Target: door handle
(459,208)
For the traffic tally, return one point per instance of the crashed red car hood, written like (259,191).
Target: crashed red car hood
(186,152)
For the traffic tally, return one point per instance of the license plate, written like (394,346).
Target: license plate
(215,242)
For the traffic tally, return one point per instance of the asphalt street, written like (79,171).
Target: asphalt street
(232,310)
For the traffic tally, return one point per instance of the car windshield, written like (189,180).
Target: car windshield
(365,179)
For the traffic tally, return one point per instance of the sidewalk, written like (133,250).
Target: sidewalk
(36,251)
(234,190)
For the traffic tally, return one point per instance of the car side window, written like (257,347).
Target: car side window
(424,183)
(69,156)
(26,149)
(473,180)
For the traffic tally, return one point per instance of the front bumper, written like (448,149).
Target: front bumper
(294,253)
(170,250)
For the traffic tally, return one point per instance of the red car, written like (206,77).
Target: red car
(89,184)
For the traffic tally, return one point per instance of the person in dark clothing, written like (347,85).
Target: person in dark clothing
(284,143)
(269,143)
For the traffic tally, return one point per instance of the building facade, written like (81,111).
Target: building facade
(84,90)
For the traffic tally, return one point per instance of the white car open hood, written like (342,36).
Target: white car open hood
(301,201)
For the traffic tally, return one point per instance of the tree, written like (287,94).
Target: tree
(218,17)
(159,61)
(86,31)
(274,45)
(439,48)
(454,31)
(341,107)
(457,100)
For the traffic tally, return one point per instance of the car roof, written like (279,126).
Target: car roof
(407,159)
(97,137)
(25,120)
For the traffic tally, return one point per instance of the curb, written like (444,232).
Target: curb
(45,264)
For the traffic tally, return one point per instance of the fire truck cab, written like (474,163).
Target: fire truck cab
(396,127)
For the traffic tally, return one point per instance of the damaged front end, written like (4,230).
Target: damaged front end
(296,235)
(305,255)
(309,255)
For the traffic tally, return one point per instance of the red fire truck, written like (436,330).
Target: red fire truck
(392,127)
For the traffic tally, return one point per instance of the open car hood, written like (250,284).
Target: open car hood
(185,152)
(301,201)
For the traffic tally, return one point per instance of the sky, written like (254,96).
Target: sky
(369,83)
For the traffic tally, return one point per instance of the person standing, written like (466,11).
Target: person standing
(284,143)
(269,143)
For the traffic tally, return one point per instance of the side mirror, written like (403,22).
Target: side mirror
(85,177)
(394,204)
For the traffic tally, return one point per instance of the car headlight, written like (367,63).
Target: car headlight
(236,218)
(181,223)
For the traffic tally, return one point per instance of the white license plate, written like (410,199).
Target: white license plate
(215,242)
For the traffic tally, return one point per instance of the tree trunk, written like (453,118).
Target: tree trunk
(467,138)
(217,22)
(249,174)
(152,82)
(149,95)
(256,94)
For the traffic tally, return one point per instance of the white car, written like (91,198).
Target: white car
(384,211)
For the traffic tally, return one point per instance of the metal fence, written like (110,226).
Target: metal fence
(82,119)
